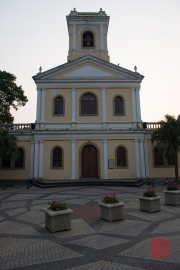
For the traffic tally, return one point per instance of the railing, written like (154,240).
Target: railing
(151,125)
(17,127)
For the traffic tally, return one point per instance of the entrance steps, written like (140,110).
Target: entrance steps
(89,182)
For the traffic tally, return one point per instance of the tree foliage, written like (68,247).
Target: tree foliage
(8,145)
(11,95)
(167,138)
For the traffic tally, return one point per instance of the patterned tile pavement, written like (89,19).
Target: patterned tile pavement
(91,243)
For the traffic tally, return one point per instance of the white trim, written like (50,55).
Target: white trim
(87,27)
(32,160)
(146,159)
(43,94)
(86,82)
(136,142)
(102,37)
(138,105)
(104,105)
(74,37)
(36,165)
(73,105)
(73,156)
(142,158)
(38,105)
(41,156)
(105,159)
(87,22)
(133,104)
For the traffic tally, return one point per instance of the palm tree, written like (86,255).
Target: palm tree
(167,137)
(8,145)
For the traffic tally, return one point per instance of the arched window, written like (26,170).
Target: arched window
(19,163)
(170,162)
(118,105)
(158,158)
(57,157)
(58,106)
(88,105)
(88,39)
(121,157)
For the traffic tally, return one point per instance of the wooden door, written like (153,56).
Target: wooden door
(89,162)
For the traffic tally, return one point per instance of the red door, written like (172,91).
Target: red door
(89,162)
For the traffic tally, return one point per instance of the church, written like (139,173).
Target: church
(88,117)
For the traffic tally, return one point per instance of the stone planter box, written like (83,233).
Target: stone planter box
(58,220)
(149,204)
(111,212)
(172,197)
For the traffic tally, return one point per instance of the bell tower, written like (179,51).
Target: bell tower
(88,34)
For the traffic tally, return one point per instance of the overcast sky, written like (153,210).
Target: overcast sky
(144,33)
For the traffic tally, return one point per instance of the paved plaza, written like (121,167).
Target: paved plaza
(140,241)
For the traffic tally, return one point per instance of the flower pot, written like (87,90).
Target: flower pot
(172,197)
(58,220)
(111,212)
(149,204)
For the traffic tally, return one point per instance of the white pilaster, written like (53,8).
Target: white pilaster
(41,159)
(38,105)
(102,37)
(142,158)
(136,141)
(43,104)
(32,160)
(133,104)
(36,165)
(105,159)
(146,158)
(104,107)
(73,121)
(73,144)
(74,37)
(138,105)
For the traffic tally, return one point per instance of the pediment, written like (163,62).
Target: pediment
(88,67)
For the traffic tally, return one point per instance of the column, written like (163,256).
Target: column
(73,121)
(105,159)
(36,165)
(43,104)
(74,37)
(142,158)
(146,158)
(136,141)
(102,37)
(138,105)
(73,144)
(133,104)
(104,107)
(41,159)
(38,106)
(32,160)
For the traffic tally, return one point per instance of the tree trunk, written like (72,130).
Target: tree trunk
(176,170)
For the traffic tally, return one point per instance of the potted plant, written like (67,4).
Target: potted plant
(58,216)
(149,202)
(172,194)
(110,208)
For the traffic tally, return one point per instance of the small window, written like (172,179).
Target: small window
(88,105)
(58,106)
(57,157)
(121,157)
(19,163)
(158,158)
(118,106)
(6,162)
(88,39)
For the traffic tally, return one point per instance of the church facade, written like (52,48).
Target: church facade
(88,117)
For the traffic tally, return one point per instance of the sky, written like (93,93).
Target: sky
(144,33)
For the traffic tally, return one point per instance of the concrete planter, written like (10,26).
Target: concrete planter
(111,212)
(149,204)
(58,220)
(172,197)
